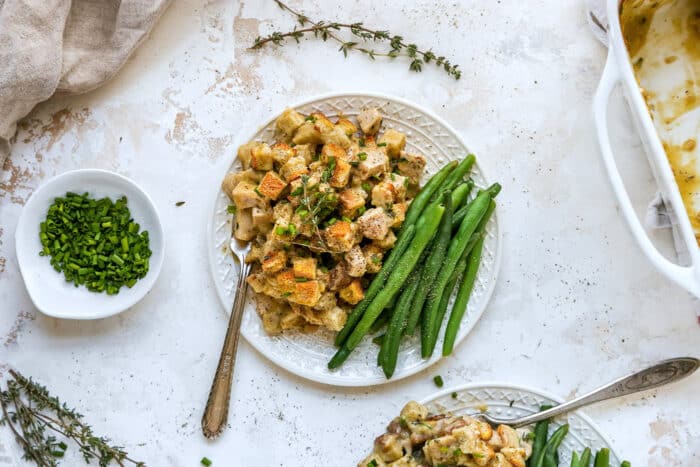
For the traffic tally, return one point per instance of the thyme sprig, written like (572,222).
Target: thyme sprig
(326,30)
(36,418)
(315,205)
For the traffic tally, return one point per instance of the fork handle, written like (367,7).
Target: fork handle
(667,371)
(216,410)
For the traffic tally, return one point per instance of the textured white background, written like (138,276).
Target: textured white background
(575,303)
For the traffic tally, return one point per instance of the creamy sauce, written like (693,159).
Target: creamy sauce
(663,40)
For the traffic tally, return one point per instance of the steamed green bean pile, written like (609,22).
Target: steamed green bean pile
(437,251)
(545,449)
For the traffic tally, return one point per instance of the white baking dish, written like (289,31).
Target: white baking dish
(619,69)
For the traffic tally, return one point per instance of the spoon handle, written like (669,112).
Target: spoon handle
(216,411)
(667,371)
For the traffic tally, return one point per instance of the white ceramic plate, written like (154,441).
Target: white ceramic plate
(510,401)
(308,354)
(48,289)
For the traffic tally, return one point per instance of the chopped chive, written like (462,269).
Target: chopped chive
(438,381)
(179,203)
(362,156)
(206,462)
(379,145)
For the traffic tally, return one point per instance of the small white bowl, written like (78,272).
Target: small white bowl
(48,289)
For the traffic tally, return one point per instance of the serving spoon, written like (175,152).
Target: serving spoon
(216,410)
(664,372)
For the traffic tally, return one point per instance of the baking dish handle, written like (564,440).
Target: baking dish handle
(683,276)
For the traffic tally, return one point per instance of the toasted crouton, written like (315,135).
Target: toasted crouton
(294,168)
(229,183)
(307,151)
(289,121)
(372,162)
(348,127)
(400,184)
(306,293)
(334,319)
(340,236)
(399,213)
(307,133)
(304,267)
(353,293)
(394,142)
(281,153)
(370,120)
(337,136)
(274,261)
(341,174)
(388,240)
(373,257)
(244,225)
(261,157)
(272,185)
(244,153)
(383,194)
(291,320)
(330,150)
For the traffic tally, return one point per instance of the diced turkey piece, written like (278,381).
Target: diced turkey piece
(337,136)
(351,200)
(294,168)
(374,223)
(233,179)
(262,218)
(383,194)
(245,196)
(355,259)
(370,120)
(399,212)
(326,302)
(388,240)
(348,127)
(375,163)
(306,151)
(261,157)
(338,277)
(394,142)
(281,153)
(400,183)
(389,446)
(341,174)
(244,153)
(373,257)
(411,166)
(334,318)
(244,225)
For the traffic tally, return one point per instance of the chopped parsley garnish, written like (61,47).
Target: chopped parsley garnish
(438,381)
(206,462)
(366,186)
(286,294)
(372,463)
(297,191)
(257,192)
(311,119)
(362,156)
(361,210)
(231,209)
(380,145)
(301,279)
(361,142)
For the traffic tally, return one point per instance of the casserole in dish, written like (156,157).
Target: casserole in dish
(655,55)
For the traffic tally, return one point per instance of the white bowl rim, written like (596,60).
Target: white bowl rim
(154,268)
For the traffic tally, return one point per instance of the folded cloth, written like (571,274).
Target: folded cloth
(658,216)
(63,46)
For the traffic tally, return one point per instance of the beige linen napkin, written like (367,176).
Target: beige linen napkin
(63,46)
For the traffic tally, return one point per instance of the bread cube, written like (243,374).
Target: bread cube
(370,120)
(331,150)
(294,168)
(373,257)
(283,212)
(285,282)
(229,183)
(341,174)
(394,142)
(274,261)
(374,223)
(340,236)
(306,293)
(289,121)
(326,302)
(272,185)
(348,127)
(261,157)
(307,134)
(353,293)
(304,267)
(334,319)
(400,184)
(398,211)
(281,153)
(372,162)
(244,153)
(337,136)
(291,320)
(388,240)
(307,151)
(383,194)
(355,260)
(257,282)
(245,196)
(411,166)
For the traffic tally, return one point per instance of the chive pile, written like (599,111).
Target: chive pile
(95,243)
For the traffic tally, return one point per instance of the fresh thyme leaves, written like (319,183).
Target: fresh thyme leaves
(317,204)
(326,30)
(36,418)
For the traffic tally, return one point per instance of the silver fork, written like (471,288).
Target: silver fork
(216,410)
(665,372)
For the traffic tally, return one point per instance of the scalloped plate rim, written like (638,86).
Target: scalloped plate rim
(329,379)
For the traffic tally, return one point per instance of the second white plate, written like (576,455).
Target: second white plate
(307,355)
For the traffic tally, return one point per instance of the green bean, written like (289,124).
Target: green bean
(425,227)
(538,444)
(575,460)
(390,345)
(432,265)
(424,196)
(602,458)
(548,456)
(454,253)
(457,175)
(493,190)
(465,288)
(377,284)
(585,457)
(382,320)
(459,194)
